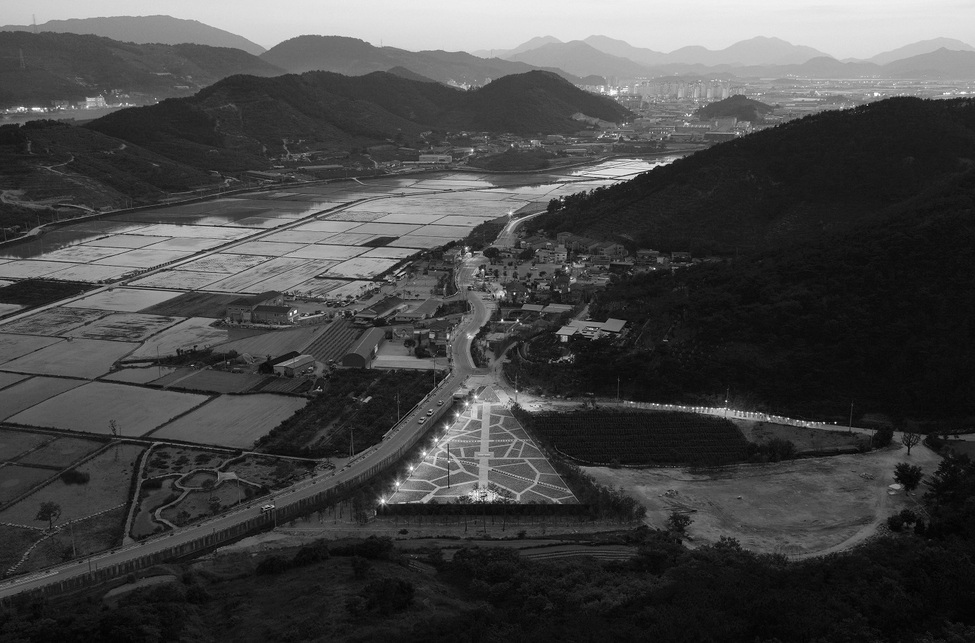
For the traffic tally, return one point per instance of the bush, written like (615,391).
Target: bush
(309,554)
(73,476)
(882,437)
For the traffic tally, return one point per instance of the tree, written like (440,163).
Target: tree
(491,253)
(909,475)
(49,511)
(678,523)
(910,439)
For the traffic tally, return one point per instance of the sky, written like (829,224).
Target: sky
(847,29)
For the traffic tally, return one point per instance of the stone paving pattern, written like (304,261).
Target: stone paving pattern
(485,445)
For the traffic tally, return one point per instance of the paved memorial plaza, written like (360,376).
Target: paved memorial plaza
(484,453)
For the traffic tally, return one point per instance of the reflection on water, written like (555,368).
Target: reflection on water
(278,207)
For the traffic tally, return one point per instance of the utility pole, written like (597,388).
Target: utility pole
(448,465)
(727,394)
(398,416)
(851,417)
(351,441)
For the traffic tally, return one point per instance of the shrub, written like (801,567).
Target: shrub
(882,437)
(895,522)
(272,565)
(73,476)
(388,595)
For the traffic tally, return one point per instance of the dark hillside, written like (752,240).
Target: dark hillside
(880,315)
(242,121)
(740,107)
(534,102)
(786,184)
(65,66)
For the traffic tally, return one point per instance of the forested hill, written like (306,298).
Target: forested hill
(239,122)
(880,316)
(786,184)
(740,107)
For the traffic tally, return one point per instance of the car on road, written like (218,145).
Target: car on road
(422,420)
(440,403)
(429,412)
(267,508)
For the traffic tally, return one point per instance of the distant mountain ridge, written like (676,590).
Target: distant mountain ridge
(919,48)
(40,68)
(355,57)
(146,29)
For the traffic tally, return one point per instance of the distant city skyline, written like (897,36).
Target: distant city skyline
(852,29)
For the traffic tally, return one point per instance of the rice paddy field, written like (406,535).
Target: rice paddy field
(234,421)
(27,393)
(91,408)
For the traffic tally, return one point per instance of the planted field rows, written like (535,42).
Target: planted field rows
(93,407)
(641,438)
(233,421)
(334,341)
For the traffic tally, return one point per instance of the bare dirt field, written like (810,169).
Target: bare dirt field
(798,508)
(804,438)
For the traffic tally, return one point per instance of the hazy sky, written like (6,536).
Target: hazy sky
(847,28)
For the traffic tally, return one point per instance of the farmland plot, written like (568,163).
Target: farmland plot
(91,273)
(323,251)
(124,241)
(195,331)
(16,479)
(386,229)
(298,236)
(225,262)
(183,279)
(195,231)
(144,258)
(360,268)
(6,309)
(85,358)
(14,346)
(26,394)
(232,420)
(111,474)
(447,232)
(138,375)
(349,239)
(274,343)
(323,288)
(267,248)
(81,253)
(7,379)
(126,327)
(183,244)
(326,226)
(247,280)
(466,221)
(29,269)
(124,300)
(14,443)
(194,304)
(62,452)
(54,321)
(136,410)
(219,381)
(285,281)
(418,242)
(389,253)
(353,215)
(414,218)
